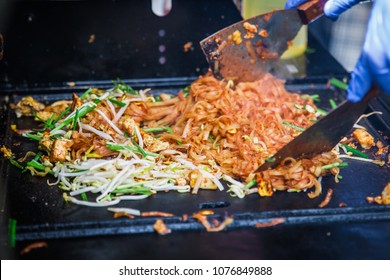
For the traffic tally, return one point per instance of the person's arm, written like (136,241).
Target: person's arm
(373,66)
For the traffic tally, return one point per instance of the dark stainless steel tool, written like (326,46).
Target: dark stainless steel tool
(325,134)
(246,50)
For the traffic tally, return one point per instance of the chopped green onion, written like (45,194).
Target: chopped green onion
(169,129)
(75,119)
(250,184)
(332,103)
(63,113)
(49,123)
(154,129)
(270,159)
(337,83)
(158,129)
(39,118)
(186,91)
(133,190)
(322,112)
(33,136)
(35,164)
(293,126)
(333,165)
(12,232)
(38,156)
(84,196)
(15,163)
(354,151)
(82,112)
(117,147)
(123,87)
(84,95)
(140,150)
(119,103)
(157,98)
(314,97)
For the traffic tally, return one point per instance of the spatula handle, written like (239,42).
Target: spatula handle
(311,10)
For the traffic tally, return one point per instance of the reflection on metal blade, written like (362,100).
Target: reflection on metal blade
(246,50)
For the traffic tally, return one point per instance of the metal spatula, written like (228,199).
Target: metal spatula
(246,50)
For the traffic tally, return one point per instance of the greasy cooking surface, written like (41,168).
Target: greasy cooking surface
(31,201)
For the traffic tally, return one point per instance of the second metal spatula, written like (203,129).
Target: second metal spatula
(246,50)
(324,135)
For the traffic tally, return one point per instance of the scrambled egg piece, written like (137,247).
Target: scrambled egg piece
(28,106)
(264,189)
(206,183)
(127,123)
(364,138)
(154,144)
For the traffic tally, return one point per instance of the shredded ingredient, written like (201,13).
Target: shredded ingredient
(123,214)
(203,220)
(327,199)
(33,246)
(156,214)
(271,223)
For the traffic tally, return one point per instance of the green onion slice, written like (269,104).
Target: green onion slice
(293,126)
(337,83)
(354,151)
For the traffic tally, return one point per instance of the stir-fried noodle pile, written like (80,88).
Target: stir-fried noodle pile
(123,145)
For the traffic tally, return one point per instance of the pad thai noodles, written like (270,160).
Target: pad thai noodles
(122,144)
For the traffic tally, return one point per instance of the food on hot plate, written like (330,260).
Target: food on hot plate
(161,228)
(384,198)
(327,199)
(33,246)
(119,144)
(364,138)
(271,223)
(28,106)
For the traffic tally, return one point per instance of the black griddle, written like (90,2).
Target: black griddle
(50,64)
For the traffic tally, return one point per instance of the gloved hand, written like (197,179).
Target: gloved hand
(373,66)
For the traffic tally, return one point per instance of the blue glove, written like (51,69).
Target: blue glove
(373,66)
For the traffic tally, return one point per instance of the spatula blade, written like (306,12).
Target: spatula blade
(244,56)
(324,135)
